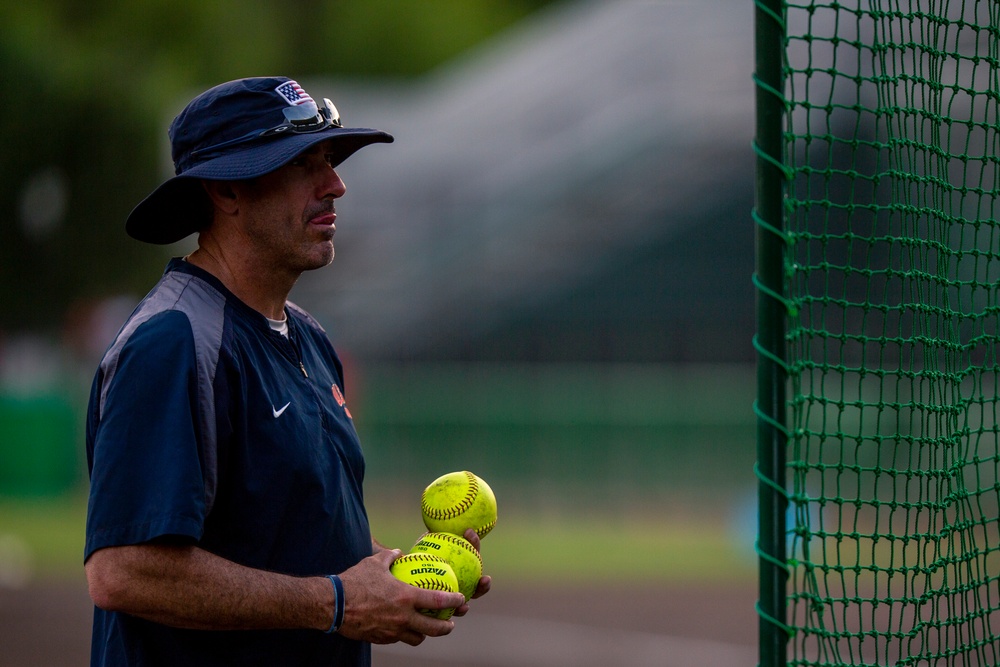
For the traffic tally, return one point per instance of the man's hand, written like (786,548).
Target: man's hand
(380,609)
(484,582)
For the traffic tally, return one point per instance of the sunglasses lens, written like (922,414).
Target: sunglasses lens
(330,112)
(302,114)
(309,117)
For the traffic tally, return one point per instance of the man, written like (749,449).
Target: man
(226,523)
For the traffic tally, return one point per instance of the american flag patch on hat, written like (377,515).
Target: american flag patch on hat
(293,93)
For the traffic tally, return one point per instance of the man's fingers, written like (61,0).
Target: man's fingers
(413,638)
(473,537)
(483,587)
(428,599)
(428,626)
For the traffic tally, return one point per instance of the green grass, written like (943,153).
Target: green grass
(522,549)
(49,530)
(577,549)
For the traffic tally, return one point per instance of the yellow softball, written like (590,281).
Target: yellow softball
(457,552)
(457,501)
(427,571)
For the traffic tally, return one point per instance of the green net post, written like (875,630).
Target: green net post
(770,340)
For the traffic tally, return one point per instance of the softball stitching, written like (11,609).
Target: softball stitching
(457,510)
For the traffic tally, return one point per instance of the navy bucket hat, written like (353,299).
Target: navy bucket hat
(237,130)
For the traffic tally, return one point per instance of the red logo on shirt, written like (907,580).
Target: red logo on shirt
(339,397)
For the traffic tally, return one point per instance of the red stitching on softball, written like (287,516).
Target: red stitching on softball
(459,509)
(460,542)
(486,529)
(432,584)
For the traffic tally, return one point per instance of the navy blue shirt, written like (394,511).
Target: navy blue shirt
(208,427)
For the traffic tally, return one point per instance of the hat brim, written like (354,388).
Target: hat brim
(180,207)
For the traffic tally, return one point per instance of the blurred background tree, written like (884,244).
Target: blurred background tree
(91,87)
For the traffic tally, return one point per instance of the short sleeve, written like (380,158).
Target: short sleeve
(146,473)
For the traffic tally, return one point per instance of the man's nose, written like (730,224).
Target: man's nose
(332,185)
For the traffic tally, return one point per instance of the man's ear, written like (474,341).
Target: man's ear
(223,195)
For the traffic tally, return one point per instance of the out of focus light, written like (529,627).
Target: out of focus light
(43,203)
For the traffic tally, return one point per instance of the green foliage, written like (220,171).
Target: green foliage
(406,38)
(98,82)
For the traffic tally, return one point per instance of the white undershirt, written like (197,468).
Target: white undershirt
(281,326)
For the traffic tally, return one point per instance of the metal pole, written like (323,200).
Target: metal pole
(772,371)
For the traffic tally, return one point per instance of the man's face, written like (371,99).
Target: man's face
(289,213)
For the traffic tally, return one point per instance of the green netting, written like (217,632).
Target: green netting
(892,293)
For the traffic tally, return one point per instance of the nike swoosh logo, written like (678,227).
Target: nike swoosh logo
(277,413)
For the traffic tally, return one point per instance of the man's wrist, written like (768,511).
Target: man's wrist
(338,603)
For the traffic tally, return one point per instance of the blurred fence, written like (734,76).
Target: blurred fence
(550,436)
(563,437)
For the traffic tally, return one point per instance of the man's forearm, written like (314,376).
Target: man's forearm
(188,587)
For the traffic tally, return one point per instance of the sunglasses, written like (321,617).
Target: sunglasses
(300,119)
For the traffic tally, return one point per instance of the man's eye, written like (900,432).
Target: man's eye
(330,159)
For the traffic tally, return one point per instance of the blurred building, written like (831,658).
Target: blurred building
(578,189)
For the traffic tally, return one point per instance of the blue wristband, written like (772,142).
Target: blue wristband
(338,602)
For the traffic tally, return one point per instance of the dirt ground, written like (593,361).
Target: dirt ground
(48,625)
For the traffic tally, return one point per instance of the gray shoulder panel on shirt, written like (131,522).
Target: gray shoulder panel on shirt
(205,308)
